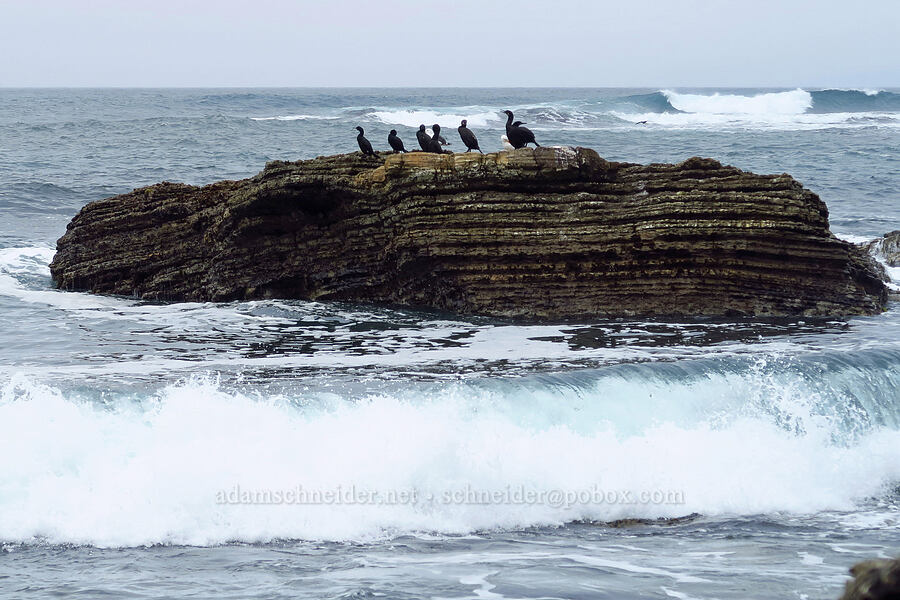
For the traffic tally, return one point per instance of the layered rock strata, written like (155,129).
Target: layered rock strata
(550,233)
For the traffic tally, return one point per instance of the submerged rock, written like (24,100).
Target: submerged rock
(548,233)
(639,522)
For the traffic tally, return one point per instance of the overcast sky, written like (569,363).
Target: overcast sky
(660,43)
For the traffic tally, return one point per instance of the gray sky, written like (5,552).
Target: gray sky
(686,43)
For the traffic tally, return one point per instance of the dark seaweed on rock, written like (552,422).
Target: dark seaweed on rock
(551,233)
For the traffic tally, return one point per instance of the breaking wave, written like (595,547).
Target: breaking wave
(794,109)
(414,118)
(199,463)
(789,109)
(780,103)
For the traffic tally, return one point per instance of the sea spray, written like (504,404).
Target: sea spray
(123,473)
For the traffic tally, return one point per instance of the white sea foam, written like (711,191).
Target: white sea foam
(866,91)
(765,121)
(21,260)
(785,111)
(676,594)
(449,119)
(892,272)
(794,102)
(24,275)
(33,262)
(810,559)
(156,472)
(852,238)
(633,568)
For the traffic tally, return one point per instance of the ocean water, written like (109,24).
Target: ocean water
(288,449)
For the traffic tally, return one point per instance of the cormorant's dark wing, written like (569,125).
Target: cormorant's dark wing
(365,145)
(468,138)
(434,145)
(424,140)
(520,136)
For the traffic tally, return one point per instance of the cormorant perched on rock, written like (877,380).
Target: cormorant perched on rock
(395,142)
(423,137)
(434,145)
(441,139)
(468,137)
(518,136)
(364,145)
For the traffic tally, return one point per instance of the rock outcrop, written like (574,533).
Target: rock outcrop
(886,247)
(877,579)
(546,234)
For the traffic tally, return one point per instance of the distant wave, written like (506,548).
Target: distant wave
(793,109)
(485,117)
(785,110)
(259,100)
(295,118)
(866,91)
(655,102)
(826,101)
(780,103)
(43,197)
(416,117)
(805,121)
(790,102)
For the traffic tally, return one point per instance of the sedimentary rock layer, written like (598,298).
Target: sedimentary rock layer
(546,233)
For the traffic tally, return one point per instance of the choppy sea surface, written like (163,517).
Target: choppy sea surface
(288,449)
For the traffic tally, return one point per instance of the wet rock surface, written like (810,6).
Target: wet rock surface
(549,233)
(887,247)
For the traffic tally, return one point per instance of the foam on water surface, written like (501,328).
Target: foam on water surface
(165,467)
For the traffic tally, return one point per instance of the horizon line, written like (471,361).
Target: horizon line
(426,87)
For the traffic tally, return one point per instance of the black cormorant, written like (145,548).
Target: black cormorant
(468,137)
(423,137)
(395,142)
(434,145)
(518,136)
(364,145)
